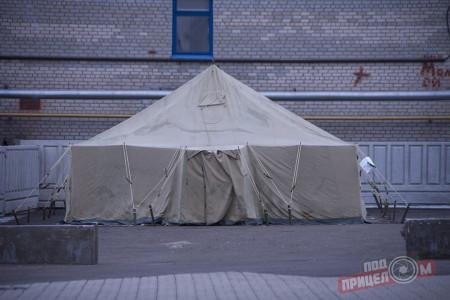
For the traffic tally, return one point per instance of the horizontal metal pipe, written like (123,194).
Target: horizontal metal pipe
(410,59)
(379,118)
(64,115)
(276,96)
(82,94)
(359,96)
(124,116)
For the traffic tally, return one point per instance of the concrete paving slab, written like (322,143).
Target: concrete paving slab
(91,290)
(128,288)
(34,291)
(203,286)
(54,291)
(12,293)
(72,289)
(167,287)
(259,286)
(147,288)
(244,286)
(222,286)
(298,287)
(241,286)
(110,289)
(279,287)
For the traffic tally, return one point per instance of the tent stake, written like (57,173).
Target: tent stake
(134,216)
(393,213)
(15,217)
(28,215)
(385,209)
(151,213)
(49,211)
(266,217)
(404,214)
(290,215)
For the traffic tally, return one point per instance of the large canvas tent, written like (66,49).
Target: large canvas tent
(214,151)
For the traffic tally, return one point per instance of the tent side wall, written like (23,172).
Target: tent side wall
(95,190)
(329,182)
(203,187)
(99,188)
(326,186)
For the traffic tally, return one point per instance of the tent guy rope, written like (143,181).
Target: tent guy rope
(128,175)
(294,176)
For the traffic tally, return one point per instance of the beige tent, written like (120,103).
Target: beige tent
(214,151)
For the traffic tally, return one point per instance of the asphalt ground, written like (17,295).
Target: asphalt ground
(306,250)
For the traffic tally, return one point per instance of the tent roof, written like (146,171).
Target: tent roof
(214,111)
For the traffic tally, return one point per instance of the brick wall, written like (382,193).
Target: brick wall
(91,34)
(86,28)
(330,28)
(260,76)
(242,29)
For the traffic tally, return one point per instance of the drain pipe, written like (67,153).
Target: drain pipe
(276,96)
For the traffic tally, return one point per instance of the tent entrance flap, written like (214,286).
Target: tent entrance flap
(212,185)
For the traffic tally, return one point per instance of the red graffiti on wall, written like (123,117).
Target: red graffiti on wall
(359,76)
(431,74)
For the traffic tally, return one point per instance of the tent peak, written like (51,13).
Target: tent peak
(214,108)
(214,68)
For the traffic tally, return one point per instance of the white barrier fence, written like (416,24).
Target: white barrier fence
(420,171)
(19,178)
(49,153)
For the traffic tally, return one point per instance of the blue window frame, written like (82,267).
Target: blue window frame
(192,29)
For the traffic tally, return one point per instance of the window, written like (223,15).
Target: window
(192,29)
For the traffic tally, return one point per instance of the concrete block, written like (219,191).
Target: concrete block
(427,238)
(49,244)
